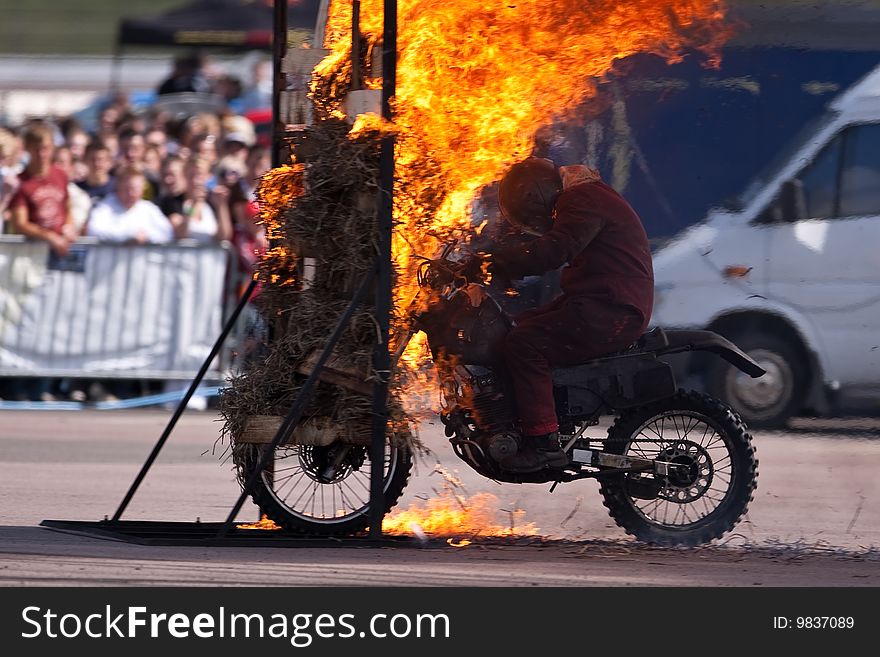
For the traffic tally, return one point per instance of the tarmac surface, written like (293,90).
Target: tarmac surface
(815,519)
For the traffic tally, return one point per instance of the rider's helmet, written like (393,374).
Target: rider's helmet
(527,194)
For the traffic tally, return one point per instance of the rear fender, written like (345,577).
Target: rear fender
(679,341)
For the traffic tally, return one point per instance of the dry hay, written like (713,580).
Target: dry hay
(324,210)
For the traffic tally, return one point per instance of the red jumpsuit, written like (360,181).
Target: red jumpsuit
(606,302)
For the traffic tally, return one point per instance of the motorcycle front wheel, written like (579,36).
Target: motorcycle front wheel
(325,491)
(708,491)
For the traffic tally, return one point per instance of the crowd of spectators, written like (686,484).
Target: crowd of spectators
(138,177)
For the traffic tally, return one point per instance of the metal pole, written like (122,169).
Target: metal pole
(355,45)
(299,404)
(115,71)
(279,50)
(189,393)
(279,85)
(381,357)
(321,24)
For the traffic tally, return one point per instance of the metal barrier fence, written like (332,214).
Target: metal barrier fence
(113,311)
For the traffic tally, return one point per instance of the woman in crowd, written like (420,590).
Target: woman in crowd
(198,213)
(79,200)
(10,167)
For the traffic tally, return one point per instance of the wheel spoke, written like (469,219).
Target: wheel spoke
(716,438)
(703,478)
(293,485)
(297,482)
(312,496)
(354,494)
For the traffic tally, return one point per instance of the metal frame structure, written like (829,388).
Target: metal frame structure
(226,533)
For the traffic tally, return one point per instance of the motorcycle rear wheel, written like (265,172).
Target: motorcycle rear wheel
(293,494)
(704,499)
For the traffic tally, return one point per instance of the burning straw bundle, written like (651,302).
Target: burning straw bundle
(321,222)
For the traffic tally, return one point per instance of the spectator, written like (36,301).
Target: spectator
(110,139)
(250,243)
(188,75)
(258,94)
(235,145)
(200,214)
(98,182)
(231,170)
(195,128)
(80,201)
(172,184)
(10,168)
(157,138)
(249,234)
(80,206)
(77,139)
(158,118)
(227,87)
(109,119)
(132,150)
(238,136)
(136,122)
(230,173)
(153,168)
(259,161)
(126,217)
(204,147)
(40,207)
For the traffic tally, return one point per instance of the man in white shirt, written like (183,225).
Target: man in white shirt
(125,217)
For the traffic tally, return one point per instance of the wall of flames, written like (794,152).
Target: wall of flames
(477,80)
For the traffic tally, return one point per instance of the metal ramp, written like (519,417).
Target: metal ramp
(208,534)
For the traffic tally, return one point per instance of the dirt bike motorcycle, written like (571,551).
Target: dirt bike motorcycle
(676,467)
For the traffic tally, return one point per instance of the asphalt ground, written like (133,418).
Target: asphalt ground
(815,519)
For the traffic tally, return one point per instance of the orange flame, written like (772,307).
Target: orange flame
(477,81)
(265,523)
(276,191)
(451,516)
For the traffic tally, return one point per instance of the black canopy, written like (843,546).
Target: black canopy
(232,24)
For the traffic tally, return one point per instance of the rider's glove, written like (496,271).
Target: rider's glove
(500,275)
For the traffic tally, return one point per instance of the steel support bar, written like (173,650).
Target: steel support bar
(299,404)
(279,84)
(382,357)
(230,323)
(355,45)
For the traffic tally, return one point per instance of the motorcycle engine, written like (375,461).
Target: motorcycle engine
(488,404)
(501,445)
(457,327)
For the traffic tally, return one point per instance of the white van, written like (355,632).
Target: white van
(792,275)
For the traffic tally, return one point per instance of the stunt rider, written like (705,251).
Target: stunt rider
(607,289)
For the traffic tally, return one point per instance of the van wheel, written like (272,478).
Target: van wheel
(770,400)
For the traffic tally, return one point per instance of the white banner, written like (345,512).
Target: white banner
(138,311)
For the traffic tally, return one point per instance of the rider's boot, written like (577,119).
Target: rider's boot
(536,453)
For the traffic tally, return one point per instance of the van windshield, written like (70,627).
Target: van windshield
(780,160)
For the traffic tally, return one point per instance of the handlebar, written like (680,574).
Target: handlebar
(441,272)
